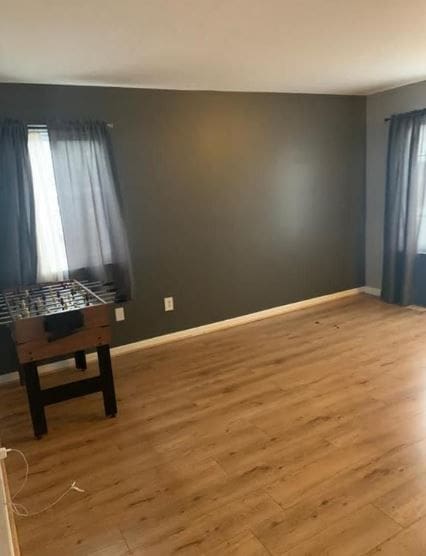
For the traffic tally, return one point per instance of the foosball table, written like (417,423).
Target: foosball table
(54,321)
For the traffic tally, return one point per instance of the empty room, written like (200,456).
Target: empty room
(212,278)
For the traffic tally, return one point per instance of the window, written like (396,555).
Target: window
(52,258)
(79,229)
(421,207)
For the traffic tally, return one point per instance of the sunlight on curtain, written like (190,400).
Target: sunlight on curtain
(421,211)
(52,258)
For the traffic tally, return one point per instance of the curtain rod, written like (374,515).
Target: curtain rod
(42,126)
(418,110)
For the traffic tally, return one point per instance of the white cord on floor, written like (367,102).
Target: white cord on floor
(20,509)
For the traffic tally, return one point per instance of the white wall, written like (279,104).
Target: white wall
(380,106)
(8,544)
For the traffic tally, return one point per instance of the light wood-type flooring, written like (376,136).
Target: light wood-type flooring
(299,434)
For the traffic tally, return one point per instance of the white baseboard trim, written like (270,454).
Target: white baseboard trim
(203,329)
(372,291)
(230,323)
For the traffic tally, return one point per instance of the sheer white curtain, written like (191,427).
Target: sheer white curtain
(52,258)
(89,202)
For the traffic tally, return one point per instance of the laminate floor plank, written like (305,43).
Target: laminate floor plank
(304,433)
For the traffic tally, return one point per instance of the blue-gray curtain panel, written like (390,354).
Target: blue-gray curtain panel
(18,250)
(89,201)
(405,205)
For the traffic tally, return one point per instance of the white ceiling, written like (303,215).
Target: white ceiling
(312,46)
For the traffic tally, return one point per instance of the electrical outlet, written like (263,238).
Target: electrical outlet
(169,304)
(119,314)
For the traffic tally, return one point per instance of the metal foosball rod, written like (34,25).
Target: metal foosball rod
(50,298)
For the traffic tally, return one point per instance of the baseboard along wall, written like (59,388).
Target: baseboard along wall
(207,328)
(372,291)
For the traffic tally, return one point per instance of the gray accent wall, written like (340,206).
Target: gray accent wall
(379,107)
(234,202)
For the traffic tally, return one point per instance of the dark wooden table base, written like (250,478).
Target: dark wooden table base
(38,399)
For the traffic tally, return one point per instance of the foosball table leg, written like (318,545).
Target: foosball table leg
(107,380)
(80,360)
(21,375)
(35,400)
